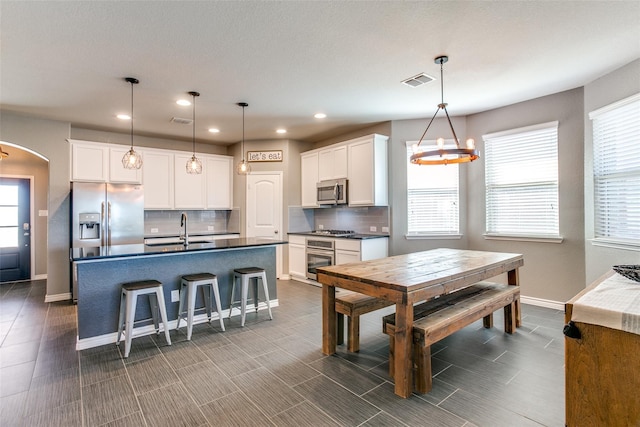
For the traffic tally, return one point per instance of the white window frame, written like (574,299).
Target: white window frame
(614,173)
(523,135)
(433,234)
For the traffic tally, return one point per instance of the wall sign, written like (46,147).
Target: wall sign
(264,156)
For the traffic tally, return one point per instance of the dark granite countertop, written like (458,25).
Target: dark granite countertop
(121,251)
(357,236)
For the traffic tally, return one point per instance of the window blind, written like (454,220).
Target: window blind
(521,175)
(432,198)
(616,170)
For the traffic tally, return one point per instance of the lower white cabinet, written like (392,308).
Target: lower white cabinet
(347,250)
(297,257)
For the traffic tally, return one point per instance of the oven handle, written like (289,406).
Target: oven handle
(328,252)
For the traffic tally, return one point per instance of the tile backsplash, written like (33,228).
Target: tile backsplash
(167,223)
(342,218)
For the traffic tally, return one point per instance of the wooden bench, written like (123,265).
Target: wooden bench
(441,317)
(352,305)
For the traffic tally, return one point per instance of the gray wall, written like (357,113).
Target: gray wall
(24,163)
(48,138)
(552,271)
(613,87)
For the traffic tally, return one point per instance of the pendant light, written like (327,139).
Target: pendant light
(132,159)
(243,167)
(3,154)
(194,164)
(441,155)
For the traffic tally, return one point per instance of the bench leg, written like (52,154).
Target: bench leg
(487,321)
(510,317)
(518,314)
(391,358)
(340,326)
(422,365)
(353,334)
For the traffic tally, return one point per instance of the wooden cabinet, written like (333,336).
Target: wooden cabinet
(117,172)
(89,161)
(218,171)
(297,257)
(157,178)
(309,179)
(188,189)
(332,163)
(347,250)
(367,171)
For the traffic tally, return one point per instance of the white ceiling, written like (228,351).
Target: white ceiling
(66,60)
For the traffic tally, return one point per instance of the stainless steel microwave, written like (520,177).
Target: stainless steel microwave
(332,192)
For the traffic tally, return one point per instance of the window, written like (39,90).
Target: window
(616,171)
(521,173)
(432,198)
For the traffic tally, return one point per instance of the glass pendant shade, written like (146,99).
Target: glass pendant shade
(132,159)
(194,164)
(243,167)
(441,155)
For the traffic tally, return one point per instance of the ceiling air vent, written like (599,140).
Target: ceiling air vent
(418,80)
(181,121)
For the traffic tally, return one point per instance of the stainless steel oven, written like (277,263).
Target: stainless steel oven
(319,253)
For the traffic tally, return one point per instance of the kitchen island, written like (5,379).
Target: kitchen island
(100,271)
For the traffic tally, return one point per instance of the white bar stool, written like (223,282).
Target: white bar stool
(128,300)
(189,284)
(246,274)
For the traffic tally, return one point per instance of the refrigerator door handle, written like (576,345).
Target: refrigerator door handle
(109,224)
(102,226)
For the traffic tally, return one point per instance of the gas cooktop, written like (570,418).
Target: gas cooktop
(334,233)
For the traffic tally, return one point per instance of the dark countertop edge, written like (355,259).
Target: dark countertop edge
(198,234)
(141,250)
(356,236)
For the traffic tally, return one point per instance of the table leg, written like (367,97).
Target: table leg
(328,319)
(402,358)
(513,279)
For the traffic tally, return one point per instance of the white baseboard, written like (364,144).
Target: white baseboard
(542,302)
(57,297)
(82,344)
(40,277)
(284,277)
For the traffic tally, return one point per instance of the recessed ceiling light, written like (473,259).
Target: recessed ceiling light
(124,117)
(320,115)
(281,131)
(183,102)
(214,130)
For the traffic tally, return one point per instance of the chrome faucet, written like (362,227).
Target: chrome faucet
(184,235)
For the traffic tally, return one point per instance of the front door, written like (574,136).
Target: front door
(15,229)
(264,208)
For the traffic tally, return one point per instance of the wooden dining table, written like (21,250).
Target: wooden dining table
(406,280)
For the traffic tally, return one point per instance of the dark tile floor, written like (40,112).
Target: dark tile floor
(270,372)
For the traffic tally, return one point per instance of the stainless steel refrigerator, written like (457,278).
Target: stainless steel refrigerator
(105,215)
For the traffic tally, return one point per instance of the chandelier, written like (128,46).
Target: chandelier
(442,155)
(194,164)
(132,159)
(243,167)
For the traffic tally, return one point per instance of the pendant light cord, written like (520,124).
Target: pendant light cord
(131,115)
(243,133)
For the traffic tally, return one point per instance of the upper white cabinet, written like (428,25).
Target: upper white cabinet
(157,178)
(218,171)
(309,179)
(117,172)
(332,163)
(367,160)
(89,161)
(189,189)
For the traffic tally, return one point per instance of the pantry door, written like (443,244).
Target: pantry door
(264,209)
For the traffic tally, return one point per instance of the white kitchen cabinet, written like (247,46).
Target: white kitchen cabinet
(117,172)
(355,250)
(218,172)
(189,189)
(157,178)
(332,163)
(297,257)
(368,179)
(309,179)
(89,161)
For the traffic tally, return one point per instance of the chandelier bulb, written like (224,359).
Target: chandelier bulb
(471,143)
(440,142)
